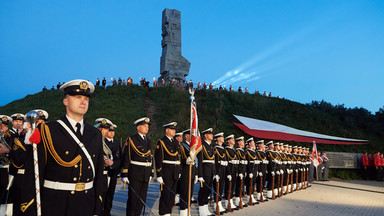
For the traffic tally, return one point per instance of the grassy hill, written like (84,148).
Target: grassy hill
(124,104)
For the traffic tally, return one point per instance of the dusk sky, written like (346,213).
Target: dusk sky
(301,50)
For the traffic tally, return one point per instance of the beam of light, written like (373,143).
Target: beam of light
(255,65)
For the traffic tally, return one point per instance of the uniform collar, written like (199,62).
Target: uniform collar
(73,124)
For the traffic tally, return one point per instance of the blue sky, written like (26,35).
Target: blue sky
(300,50)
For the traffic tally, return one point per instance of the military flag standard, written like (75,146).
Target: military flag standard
(314,156)
(195,145)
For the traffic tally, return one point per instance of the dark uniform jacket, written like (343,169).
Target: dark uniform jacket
(262,156)
(232,161)
(137,149)
(206,170)
(221,162)
(253,165)
(62,160)
(116,153)
(272,161)
(242,161)
(169,151)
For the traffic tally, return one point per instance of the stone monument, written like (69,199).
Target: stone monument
(172,64)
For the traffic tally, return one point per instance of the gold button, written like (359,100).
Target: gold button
(72,192)
(76,166)
(75,179)
(87,179)
(89,167)
(67,152)
(94,155)
(86,191)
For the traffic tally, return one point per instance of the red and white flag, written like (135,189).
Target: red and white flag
(195,145)
(314,156)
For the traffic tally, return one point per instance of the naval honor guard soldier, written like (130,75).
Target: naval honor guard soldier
(272,167)
(113,170)
(71,157)
(206,170)
(184,179)
(241,173)
(221,164)
(263,170)
(167,159)
(22,191)
(253,167)
(231,172)
(136,167)
(4,163)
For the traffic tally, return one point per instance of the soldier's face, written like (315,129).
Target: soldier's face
(179,139)
(18,124)
(143,129)
(240,143)
(220,140)
(252,145)
(111,134)
(104,131)
(208,137)
(77,105)
(3,127)
(170,132)
(231,142)
(187,137)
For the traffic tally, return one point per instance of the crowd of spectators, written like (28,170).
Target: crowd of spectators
(373,166)
(182,85)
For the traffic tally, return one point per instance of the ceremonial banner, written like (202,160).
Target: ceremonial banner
(195,145)
(314,156)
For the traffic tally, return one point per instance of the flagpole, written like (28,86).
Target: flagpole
(191,91)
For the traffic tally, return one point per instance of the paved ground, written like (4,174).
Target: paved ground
(323,198)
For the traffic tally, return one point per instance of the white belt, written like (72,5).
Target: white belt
(171,162)
(234,161)
(208,161)
(81,186)
(251,162)
(275,161)
(285,162)
(21,171)
(105,172)
(265,162)
(223,163)
(257,161)
(145,164)
(299,162)
(244,162)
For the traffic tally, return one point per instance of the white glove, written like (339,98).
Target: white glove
(160,180)
(282,172)
(229,177)
(296,170)
(260,174)
(150,178)
(273,173)
(291,170)
(189,161)
(245,174)
(307,169)
(201,179)
(125,180)
(278,172)
(196,177)
(250,175)
(241,176)
(179,175)
(216,177)
(27,136)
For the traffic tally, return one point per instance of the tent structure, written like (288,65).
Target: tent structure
(269,130)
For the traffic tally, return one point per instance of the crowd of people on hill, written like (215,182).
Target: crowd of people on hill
(373,166)
(182,85)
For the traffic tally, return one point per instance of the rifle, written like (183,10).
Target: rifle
(261,189)
(291,181)
(273,188)
(297,181)
(278,186)
(307,178)
(241,194)
(282,184)
(250,192)
(302,177)
(288,177)
(229,196)
(217,198)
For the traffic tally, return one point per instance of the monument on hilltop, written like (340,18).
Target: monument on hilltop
(172,64)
